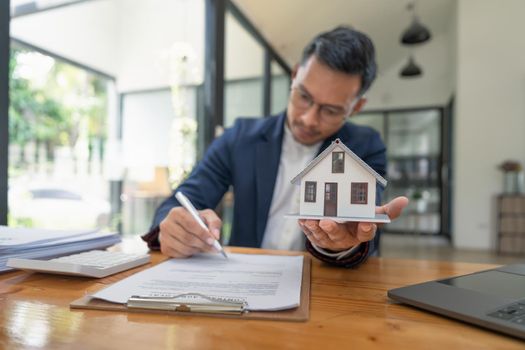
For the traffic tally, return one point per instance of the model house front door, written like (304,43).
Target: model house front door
(330,199)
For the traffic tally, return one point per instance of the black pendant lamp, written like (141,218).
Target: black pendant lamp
(416,33)
(411,70)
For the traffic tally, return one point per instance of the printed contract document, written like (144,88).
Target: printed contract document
(263,282)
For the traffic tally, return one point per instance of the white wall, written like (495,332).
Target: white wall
(152,35)
(490,112)
(146,115)
(85,33)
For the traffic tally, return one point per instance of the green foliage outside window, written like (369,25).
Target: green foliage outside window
(54,112)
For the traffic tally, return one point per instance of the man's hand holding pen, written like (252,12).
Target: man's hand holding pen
(182,235)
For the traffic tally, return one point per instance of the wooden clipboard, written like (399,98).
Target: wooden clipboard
(298,314)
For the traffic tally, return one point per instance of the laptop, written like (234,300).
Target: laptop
(493,299)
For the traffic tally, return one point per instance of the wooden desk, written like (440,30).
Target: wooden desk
(349,310)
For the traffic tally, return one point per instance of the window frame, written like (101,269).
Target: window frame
(338,164)
(357,189)
(310,196)
(4,106)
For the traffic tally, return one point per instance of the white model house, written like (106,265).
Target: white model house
(337,183)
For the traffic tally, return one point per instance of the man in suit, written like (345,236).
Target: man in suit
(259,157)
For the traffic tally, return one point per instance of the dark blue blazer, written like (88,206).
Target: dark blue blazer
(247,157)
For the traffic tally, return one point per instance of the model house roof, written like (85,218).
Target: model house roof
(338,143)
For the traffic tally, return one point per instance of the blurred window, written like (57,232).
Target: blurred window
(106,112)
(243,73)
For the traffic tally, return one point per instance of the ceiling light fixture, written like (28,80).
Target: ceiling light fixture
(411,70)
(416,33)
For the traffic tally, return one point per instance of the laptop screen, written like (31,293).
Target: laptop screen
(491,282)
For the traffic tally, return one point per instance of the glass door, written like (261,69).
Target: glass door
(414,155)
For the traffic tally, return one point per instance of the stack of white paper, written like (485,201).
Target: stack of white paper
(37,243)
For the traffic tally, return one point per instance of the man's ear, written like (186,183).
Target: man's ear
(359,105)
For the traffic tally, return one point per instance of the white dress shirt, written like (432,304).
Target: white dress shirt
(285,233)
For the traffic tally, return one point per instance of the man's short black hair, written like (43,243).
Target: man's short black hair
(347,50)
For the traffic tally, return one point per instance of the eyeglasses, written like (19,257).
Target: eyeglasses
(328,114)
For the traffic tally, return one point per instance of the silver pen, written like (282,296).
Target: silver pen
(195,214)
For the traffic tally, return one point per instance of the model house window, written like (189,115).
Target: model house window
(309,191)
(338,162)
(359,193)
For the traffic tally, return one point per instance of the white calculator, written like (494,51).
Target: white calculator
(93,263)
